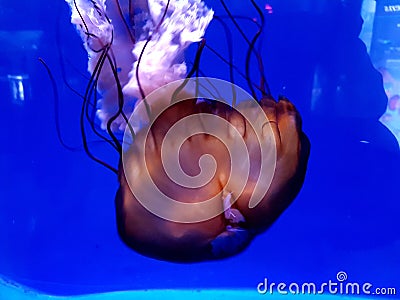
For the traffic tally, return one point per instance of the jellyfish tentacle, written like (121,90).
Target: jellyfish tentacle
(266,91)
(229,41)
(121,16)
(247,71)
(83,113)
(194,69)
(264,87)
(56,105)
(92,92)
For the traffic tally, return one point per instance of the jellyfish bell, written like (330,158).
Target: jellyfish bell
(204,166)
(200,181)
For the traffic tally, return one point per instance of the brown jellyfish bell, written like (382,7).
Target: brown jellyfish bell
(202,177)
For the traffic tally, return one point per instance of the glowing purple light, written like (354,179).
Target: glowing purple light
(268,8)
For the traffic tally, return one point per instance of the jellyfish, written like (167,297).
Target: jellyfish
(204,166)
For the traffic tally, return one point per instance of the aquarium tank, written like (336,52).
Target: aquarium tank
(199,149)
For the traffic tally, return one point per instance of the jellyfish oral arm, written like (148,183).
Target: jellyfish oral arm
(159,57)
(109,45)
(138,60)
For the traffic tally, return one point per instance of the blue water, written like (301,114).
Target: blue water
(57,220)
